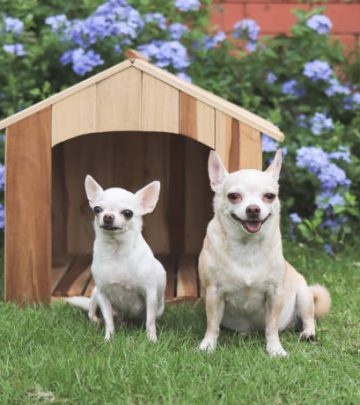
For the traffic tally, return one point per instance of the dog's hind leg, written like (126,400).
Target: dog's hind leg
(305,311)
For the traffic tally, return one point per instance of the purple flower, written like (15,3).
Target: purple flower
(320,122)
(184,76)
(13,25)
(342,154)
(355,98)
(212,42)
(268,144)
(319,23)
(2,217)
(327,199)
(251,46)
(271,78)
(57,22)
(167,53)
(187,5)
(311,157)
(177,30)
(295,218)
(317,70)
(83,62)
(15,49)
(157,18)
(246,29)
(302,121)
(332,176)
(291,88)
(336,88)
(2,177)
(328,249)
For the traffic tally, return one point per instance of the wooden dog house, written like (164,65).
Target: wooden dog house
(126,126)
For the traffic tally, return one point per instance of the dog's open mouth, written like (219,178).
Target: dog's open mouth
(250,226)
(110,228)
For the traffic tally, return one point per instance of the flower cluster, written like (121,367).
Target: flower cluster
(15,27)
(291,88)
(320,122)
(319,23)
(167,53)
(249,30)
(317,70)
(82,61)
(187,5)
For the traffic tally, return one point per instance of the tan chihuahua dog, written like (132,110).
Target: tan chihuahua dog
(248,285)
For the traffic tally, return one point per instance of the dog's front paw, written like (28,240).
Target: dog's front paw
(307,336)
(152,337)
(207,345)
(108,335)
(276,351)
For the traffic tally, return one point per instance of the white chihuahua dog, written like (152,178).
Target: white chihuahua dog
(247,283)
(129,280)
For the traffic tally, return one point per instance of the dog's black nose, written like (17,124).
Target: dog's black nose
(108,218)
(253,211)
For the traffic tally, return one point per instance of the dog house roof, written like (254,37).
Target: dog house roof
(138,96)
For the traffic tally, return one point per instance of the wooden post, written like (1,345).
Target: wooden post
(28,209)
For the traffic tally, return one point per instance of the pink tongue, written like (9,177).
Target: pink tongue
(252,226)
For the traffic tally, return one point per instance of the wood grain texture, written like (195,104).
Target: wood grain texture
(60,266)
(78,287)
(205,117)
(188,116)
(187,278)
(65,93)
(118,102)
(28,210)
(160,106)
(212,100)
(223,129)
(250,148)
(176,197)
(74,115)
(198,196)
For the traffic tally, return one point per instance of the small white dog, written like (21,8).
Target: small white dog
(129,280)
(247,283)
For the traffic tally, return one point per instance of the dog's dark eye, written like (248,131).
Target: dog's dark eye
(97,210)
(127,214)
(234,196)
(270,196)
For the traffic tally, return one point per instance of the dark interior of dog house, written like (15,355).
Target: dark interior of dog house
(175,230)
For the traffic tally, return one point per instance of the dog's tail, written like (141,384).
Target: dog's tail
(80,302)
(322,300)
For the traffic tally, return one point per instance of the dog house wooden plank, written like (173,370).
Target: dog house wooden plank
(60,266)
(28,209)
(212,100)
(89,288)
(118,102)
(80,264)
(197,120)
(223,136)
(250,148)
(80,283)
(187,277)
(64,94)
(160,106)
(198,196)
(169,264)
(74,115)
(154,165)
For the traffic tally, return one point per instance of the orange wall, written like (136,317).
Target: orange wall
(275,16)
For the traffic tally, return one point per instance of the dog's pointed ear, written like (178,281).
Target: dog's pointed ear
(93,189)
(148,197)
(275,167)
(217,171)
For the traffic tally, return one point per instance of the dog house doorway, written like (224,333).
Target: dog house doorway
(175,230)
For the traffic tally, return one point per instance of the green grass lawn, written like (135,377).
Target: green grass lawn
(56,355)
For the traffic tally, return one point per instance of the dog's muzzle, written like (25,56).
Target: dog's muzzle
(253,225)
